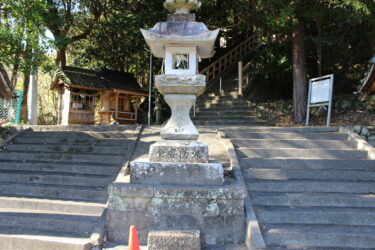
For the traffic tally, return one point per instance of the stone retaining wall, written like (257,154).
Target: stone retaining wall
(365,132)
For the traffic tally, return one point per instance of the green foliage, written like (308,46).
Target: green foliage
(21,33)
(116,41)
(105,33)
(338,40)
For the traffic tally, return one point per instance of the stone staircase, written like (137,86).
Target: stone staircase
(53,185)
(310,187)
(225,109)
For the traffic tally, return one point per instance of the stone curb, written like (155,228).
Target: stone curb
(254,238)
(89,128)
(125,170)
(270,129)
(361,143)
(13,136)
(98,234)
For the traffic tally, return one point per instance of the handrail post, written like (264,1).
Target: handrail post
(240,77)
(221,91)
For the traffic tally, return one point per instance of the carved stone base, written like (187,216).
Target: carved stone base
(216,211)
(186,151)
(197,174)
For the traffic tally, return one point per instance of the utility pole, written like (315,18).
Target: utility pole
(150,91)
(33,97)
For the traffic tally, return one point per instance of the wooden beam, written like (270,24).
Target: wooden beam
(130,92)
(116,107)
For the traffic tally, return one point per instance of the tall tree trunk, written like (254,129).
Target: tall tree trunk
(13,79)
(319,53)
(16,61)
(26,83)
(61,57)
(299,73)
(319,59)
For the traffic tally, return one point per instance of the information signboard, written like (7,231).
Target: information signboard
(320,95)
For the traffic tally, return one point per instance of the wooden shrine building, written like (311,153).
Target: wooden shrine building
(117,94)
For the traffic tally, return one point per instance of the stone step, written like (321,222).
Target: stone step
(75,168)
(238,106)
(308,174)
(292,130)
(299,143)
(77,193)
(312,199)
(301,153)
(224,117)
(54,206)
(69,149)
(65,179)
(221,101)
(220,97)
(70,140)
(286,136)
(209,112)
(62,157)
(33,239)
(308,164)
(224,247)
(76,134)
(47,220)
(226,108)
(79,128)
(320,235)
(316,215)
(296,247)
(314,186)
(249,122)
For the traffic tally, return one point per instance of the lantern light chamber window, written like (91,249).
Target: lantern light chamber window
(180,61)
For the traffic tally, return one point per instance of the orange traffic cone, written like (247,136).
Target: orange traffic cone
(133,239)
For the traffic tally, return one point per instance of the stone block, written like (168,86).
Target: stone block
(118,224)
(181,84)
(176,173)
(174,239)
(187,151)
(216,211)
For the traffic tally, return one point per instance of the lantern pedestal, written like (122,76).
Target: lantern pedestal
(180,92)
(180,126)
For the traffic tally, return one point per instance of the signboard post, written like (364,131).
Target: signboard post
(320,95)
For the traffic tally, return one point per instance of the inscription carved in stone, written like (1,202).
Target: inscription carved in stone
(180,151)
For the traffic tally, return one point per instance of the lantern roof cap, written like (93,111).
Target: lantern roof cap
(181,34)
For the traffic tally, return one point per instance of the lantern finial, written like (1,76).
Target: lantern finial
(182,6)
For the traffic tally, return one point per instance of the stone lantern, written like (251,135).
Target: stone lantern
(177,188)
(181,42)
